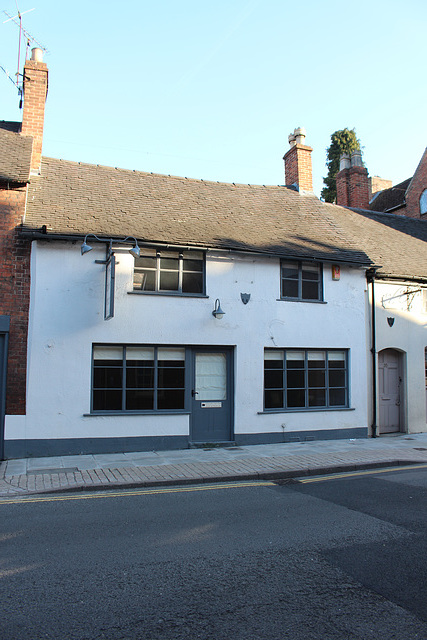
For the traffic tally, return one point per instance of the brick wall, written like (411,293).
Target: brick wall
(342,182)
(298,167)
(378,184)
(353,187)
(415,189)
(35,92)
(15,293)
(358,187)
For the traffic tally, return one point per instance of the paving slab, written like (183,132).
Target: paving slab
(145,468)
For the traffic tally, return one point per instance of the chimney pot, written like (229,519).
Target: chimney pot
(344,161)
(298,170)
(356,158)
(37,54)
(300,134)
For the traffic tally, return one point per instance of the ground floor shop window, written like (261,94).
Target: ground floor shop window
(305,378)
(131,378)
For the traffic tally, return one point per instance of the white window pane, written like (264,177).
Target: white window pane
(316,355)
(171,354)
(107,353)
(336,355)
(273,355)
(139,353)
(211,376)
(295,355)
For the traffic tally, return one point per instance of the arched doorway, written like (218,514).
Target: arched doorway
(390,389)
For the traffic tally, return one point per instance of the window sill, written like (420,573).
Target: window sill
(300,300)
(174,294)
(103,414)
(305,410)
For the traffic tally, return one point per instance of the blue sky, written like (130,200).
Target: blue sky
(212,89)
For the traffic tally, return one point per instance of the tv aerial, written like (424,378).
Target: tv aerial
(30,40)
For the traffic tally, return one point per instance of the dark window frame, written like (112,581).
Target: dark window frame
(155,388)
(181,255)
(300,280)
(285,389)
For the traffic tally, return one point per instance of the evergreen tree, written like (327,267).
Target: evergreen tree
(342,141)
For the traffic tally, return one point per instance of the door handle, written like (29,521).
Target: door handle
(194,393)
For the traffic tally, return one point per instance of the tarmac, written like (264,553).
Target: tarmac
(28,476)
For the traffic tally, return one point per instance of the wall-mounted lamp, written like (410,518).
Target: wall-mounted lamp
(218,313)
(110,267)
(134,251)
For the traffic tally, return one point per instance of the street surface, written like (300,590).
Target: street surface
(338,559)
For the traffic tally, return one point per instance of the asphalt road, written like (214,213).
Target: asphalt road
(341,559)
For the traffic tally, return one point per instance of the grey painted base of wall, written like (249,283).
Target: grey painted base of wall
(84,446)
(300,436)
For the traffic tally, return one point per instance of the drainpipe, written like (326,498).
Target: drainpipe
(370,275)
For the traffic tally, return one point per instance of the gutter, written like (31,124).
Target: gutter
(401,279)
(43,234)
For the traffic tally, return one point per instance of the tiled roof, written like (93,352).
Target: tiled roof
(395,242)
(75,199)
(390,198)
(8,125)
(15,157)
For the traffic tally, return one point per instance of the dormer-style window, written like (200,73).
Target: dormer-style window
(301,281)
(165,271)
(423,202)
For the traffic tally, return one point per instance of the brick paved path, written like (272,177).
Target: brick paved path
(195,466)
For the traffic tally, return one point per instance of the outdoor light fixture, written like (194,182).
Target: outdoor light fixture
(85,248)
(110,267)
(218,313)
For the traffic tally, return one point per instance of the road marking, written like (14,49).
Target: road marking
(139,492)
(365,472)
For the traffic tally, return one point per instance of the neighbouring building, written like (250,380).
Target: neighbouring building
(408,198)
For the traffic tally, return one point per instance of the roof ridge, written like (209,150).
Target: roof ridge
(165,175)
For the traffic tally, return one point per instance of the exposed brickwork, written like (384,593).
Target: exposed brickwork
(358,187)
(378,184)
(415,189)
(342,182)
(298,167)
(35,92)
(353,187)
(14,293)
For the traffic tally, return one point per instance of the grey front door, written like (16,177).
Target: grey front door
(212,396)
(390,389)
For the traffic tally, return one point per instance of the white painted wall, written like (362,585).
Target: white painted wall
(409,336)
(66,317)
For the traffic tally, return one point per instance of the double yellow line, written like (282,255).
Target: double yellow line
(365,472)
(135,492)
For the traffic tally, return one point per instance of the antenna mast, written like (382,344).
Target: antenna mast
(30,39)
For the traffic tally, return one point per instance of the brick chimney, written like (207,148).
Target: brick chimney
(35,93)
(298,168)
(352,181)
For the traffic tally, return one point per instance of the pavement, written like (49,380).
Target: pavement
(256,462)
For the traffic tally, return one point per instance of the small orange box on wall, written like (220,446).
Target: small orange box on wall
(336,272)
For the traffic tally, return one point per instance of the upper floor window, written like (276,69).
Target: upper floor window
(170,272)
(301,280)
(423,202)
